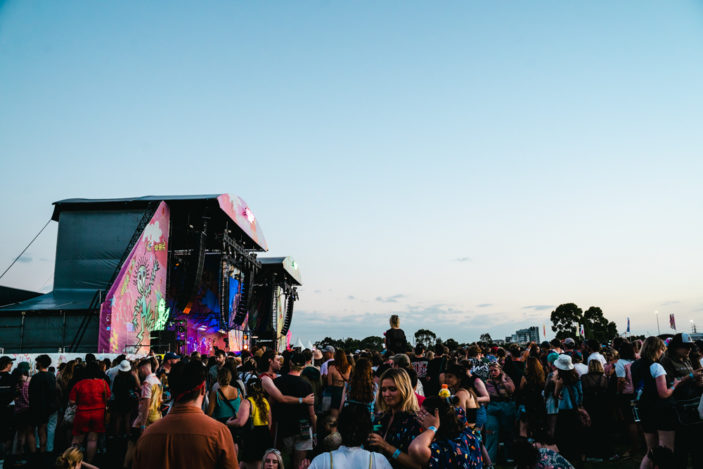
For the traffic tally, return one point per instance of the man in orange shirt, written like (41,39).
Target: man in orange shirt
(186,438)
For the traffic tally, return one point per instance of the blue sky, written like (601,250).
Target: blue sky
(467,165)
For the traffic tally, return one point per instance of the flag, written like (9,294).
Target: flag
(672,321)
(582,332)
(628,325)
(544,331)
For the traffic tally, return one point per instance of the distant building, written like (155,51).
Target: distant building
(524,336)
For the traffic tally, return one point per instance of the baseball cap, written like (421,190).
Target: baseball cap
(171,355)
(328,349)
(569,341)
(681,340)
(5,360)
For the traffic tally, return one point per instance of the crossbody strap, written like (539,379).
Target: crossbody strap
(331,461)
(229,404)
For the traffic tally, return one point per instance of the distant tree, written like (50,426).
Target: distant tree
(486,337)
(330,341)
(566,319)
(452,344)
(425,337)
(596,326)
(372,343)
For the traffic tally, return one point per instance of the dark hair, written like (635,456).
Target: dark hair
(354,424)
(627,351)
(449,425)
(419,348)
(534,373)
(185,380)
(473,351)
(307,355)
(89,357)
(525,454)
(361,383)
(44,361)
(220,352)
(569,376)
(593,345)
(92,370)
(262,363)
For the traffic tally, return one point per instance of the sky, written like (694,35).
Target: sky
(467,165)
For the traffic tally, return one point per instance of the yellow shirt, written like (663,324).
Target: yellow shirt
(260,418)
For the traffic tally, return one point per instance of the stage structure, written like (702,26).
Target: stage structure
(275,292)
(174,273)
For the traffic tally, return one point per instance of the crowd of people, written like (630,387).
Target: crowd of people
(556,404)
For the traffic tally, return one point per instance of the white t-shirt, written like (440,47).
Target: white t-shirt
(620,367)
(596,356)
(350,458)
(580,368)
(657,370)
(323,368)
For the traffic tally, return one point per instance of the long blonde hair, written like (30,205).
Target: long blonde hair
(401,379)
(70,458)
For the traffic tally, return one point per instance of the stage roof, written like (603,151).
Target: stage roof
(283,264)
(15,295)
(62,299)
(233,206)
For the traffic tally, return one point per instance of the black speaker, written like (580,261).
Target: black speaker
(163,341)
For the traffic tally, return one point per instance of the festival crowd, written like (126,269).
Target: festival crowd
(557,404)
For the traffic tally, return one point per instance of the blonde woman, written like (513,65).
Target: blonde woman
(396,426)
(72,458)
(655,405)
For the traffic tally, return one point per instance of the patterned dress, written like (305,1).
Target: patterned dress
(462,452)
(402,431)
(550,459)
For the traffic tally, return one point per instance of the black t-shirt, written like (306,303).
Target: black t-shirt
(395,340)
(420,365)
(434,368)
(516,370)
(289,416)
(8,388)
(43,394)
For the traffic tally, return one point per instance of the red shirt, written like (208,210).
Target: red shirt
(90,394)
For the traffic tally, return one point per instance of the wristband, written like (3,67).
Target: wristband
(690,375)
(396,454)
(300,400)
(433,428)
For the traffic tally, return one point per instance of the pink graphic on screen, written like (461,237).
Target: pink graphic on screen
(135,304)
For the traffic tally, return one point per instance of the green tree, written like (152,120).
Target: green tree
(425,337)
(566,319)
(596,326)
(486,337)
(452,344)
(372,343)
